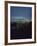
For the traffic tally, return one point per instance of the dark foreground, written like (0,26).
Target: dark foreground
(21,31)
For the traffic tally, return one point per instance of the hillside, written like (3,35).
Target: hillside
(21,30)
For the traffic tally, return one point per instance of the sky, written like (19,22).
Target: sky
(20,13)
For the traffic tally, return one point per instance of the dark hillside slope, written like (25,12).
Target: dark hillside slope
(21,30)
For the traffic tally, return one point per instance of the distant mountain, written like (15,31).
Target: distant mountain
(20,19)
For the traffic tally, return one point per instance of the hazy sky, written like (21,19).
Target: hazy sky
(21,12)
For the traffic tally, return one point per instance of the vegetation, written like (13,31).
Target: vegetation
(21,30)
